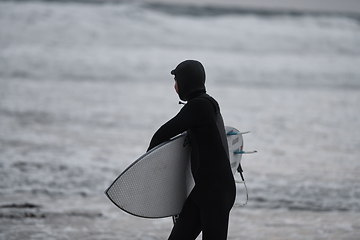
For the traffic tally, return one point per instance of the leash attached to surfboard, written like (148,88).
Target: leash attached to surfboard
(239,168)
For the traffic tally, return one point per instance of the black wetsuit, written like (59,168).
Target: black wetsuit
(208,205)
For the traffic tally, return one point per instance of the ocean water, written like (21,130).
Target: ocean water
(83,86)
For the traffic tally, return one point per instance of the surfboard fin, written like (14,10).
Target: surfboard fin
(237,133)
(244,152)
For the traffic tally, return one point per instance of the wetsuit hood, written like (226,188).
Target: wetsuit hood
(190,77)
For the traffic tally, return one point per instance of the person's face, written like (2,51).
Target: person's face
(176,86)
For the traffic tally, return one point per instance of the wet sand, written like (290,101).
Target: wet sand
(98,219)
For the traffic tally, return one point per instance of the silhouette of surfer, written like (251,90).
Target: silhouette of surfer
(208,206)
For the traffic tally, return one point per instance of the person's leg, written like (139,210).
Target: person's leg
(215,224)
(215,209)
(188,225)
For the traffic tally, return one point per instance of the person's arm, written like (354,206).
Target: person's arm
(189,116)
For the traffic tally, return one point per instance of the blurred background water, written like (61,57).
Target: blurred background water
(84,85)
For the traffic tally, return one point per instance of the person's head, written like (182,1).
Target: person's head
(189,77)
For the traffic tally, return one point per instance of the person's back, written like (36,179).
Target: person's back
(208,140)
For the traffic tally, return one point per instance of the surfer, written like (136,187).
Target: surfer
(208,206)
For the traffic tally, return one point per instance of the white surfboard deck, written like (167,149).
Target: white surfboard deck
(157,184)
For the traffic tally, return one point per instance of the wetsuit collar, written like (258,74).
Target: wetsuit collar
(195,94)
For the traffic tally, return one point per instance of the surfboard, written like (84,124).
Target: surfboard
(157,184)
